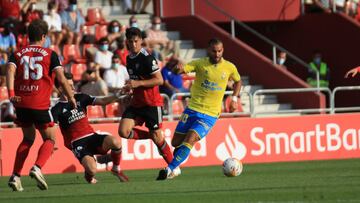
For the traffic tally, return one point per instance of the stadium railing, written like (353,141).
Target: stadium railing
(335,109)
(293,90)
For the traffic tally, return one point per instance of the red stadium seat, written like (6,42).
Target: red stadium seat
(93,16)
(77,69)
(112,110)
(177,107)
(227,105)
(71,52)
(55,48)
(100,31)
(3,93)
(95,112)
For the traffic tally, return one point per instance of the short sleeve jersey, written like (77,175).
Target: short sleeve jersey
(210,83)
(73,123)
(141,67)
(33,77)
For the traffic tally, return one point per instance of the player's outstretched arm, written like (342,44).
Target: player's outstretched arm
(59,74)
(234,99)
(353,72)
(10,78)
(107,100)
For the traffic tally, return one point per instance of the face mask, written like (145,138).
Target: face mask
(73,7)
(33,7)
(134,24)
(115,29)
(317,60)
(115,66)
(281,61)
(104,47)
(157,26)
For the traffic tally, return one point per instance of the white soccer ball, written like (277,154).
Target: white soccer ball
(232,167)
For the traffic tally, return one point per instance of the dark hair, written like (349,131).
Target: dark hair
(72,1)
(110,25)
(103,39)
(37,29)
(214,41)
(51,5)
(115,56)
(67,75)
(133,31)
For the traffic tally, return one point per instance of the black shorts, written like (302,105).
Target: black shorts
(151,115)
(89,145)
(27,117)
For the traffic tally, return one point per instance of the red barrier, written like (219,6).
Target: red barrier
(253,140)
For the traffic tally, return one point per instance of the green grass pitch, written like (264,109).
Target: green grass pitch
(314,181)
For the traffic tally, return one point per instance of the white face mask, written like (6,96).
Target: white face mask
(157,26)
(281,61)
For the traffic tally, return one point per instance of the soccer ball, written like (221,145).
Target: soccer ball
(232,167)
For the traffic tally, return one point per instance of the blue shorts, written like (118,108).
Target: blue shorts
(195,121)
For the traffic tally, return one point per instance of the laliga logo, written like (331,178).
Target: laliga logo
(232,147)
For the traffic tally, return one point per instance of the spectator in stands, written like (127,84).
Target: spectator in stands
(10,9)
(281,59)
(62,5)
(121,50)
(72,20)
(321,6)
(30,12)
(114,30)
(91,82)
(116,76)
(155,36)
(133,22)
(103,56)
(317,65)
(53,19)
(7,39)
(170,50)
(173,82)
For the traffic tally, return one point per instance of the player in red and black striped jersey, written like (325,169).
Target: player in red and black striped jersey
(30,77)
(145,105)
(81,138)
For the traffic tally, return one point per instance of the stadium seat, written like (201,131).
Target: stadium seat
(93,16)
(95,112)
(77,69)
(177,107)
(3,93)
(100,31)
(71,52)
(227,105)
(56,49)
(112,110)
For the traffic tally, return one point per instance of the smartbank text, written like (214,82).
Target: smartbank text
(324,138)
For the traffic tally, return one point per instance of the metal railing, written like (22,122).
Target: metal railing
(187,94)
(334,109)
(292,90)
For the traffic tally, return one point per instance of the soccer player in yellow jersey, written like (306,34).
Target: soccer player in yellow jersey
(207,92)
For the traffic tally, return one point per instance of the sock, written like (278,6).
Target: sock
(116,156)
(44,153)
(180,154)
(139,134)
(165,152)
(21,154)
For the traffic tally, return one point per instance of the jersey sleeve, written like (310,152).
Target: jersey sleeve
(151,65)
(235,76)
(87,100)
(191,67)
(54,61)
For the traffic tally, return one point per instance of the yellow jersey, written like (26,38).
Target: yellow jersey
(209,86)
